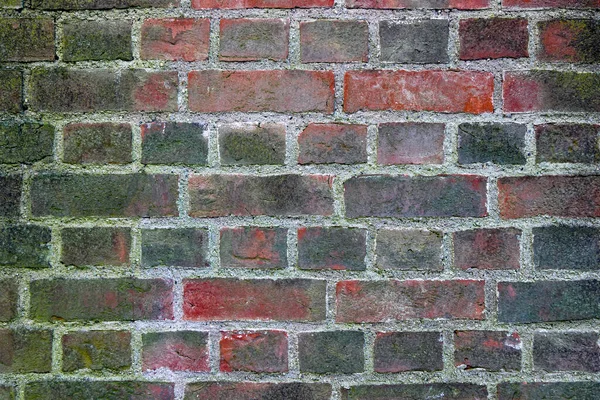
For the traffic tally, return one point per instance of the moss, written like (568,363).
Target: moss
(93,40)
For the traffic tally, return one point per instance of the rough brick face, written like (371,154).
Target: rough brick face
(9,297)
(333,144)
(95,246)
(566,247)
(99,4)
(334,41)
(176,39)
(96,40)
(408,351)
(488,350)
(101,143)
(410,143)
(421,42)
(494,143)
(332,248)
(254,351)
(569,40)
(235,4)
(10,195)
(96,350)
(551,3)
(253,247)
(253,39)
(174,143)
(410,250)
(567,143)
(11,94)
(559,390)
(493,38)
(176,351)
(25,351)
(436,4)
(253,390)
(179,247)
(566,351)
(487,249)
(25,143)
(26,39)
(109,390)
(24,246)
(452,391)
(247,144)
(338,352)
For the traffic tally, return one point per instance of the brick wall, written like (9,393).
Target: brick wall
(299,199)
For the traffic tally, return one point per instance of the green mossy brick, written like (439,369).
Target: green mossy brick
(95,246)
(26,39)
(254,390)
(174,143)
(25,350)
(11,94)
(10,195)
(261,144)
(446,391)
(7,393)
(567,143)
(24,246)
(25,143)
(96,390)
(332,248)
(338,352)
(11,4)
(9,297)
(99,4)
(96,350)
(492,142)
(102,143)
(334,41)
(183,247)
(97,40)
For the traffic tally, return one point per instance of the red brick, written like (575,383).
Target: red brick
(259,91)
(185,39)
(236,4)
(253,247)
(258,300)
(489,350)
(560,196)
(575,40)
(333,144)
(334,41)
(410,143)
(440,91)
(176,351)
(253,39)
(436,4)
(254,391)
(493,38)
(551,3)
(487,249)
(393,300)
(257,351)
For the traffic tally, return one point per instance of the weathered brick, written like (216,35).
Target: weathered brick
(9,298)
(572,40)
(105,299)
(338,352)
(402,196)
(531,91)
(254,351)
(96,40)
(175,39)
(564,196)
(174,143)
(251,39)
(493,38)
(105,390)
(551,3)
(332,248)
(408,351)
(25,350)
(393,300)
(333,144)
(7,392)
(487,248)
(566,351)
(449,391)
(566,247)
(96,350)
(25,143)
(282,91)
(253,390)
(436,4)
(10,195)
(567,143)
(222,195)
(551,390)
(253,247)
(545,301)
(235,4)
(25,246)
(258,299)
(11,3)
(411,250)
(98,143)
(132,195)
(247,144)
(441,91)
(334,41)
(96,246)
(182,247)
(11,95)
(176,351)
(93,90)
(26,39)
(410,143)
(498,143)
(489,350)
(99,4)
(418,42)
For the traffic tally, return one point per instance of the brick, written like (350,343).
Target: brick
(237,4)
(105,390)
(96,40)
(440,91)
(254,300)
(9,298)
(252,39)
(96,350)
(418,42)
(10,195)
(409,250)
(96,246)
(105,299)
(551,390)
(99,4)
(254,351)
(488,350)
(574,40)
(564,196)
(282,91)
(566,351)
(253,390)
(93,90)
(338,352)
(25,350)
(26,143)
(450,391)
(175,351)
(25,246)
(26,39)
(393,300)
(528,302)
(567,143)
(482,38)
(410,143)
(11,3)
(408,351)
(174,143)
(332,248)
(498,143)
(253,247)
(494,249)
(7,393)
(11,96)
(435,4)
(252,144)
(333,144)
(275,195)
(551,3)
(182,247)
(566,247)
(98,143)
(131,195)
(531,91)
(402,196)
(334,41)
(175,39)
